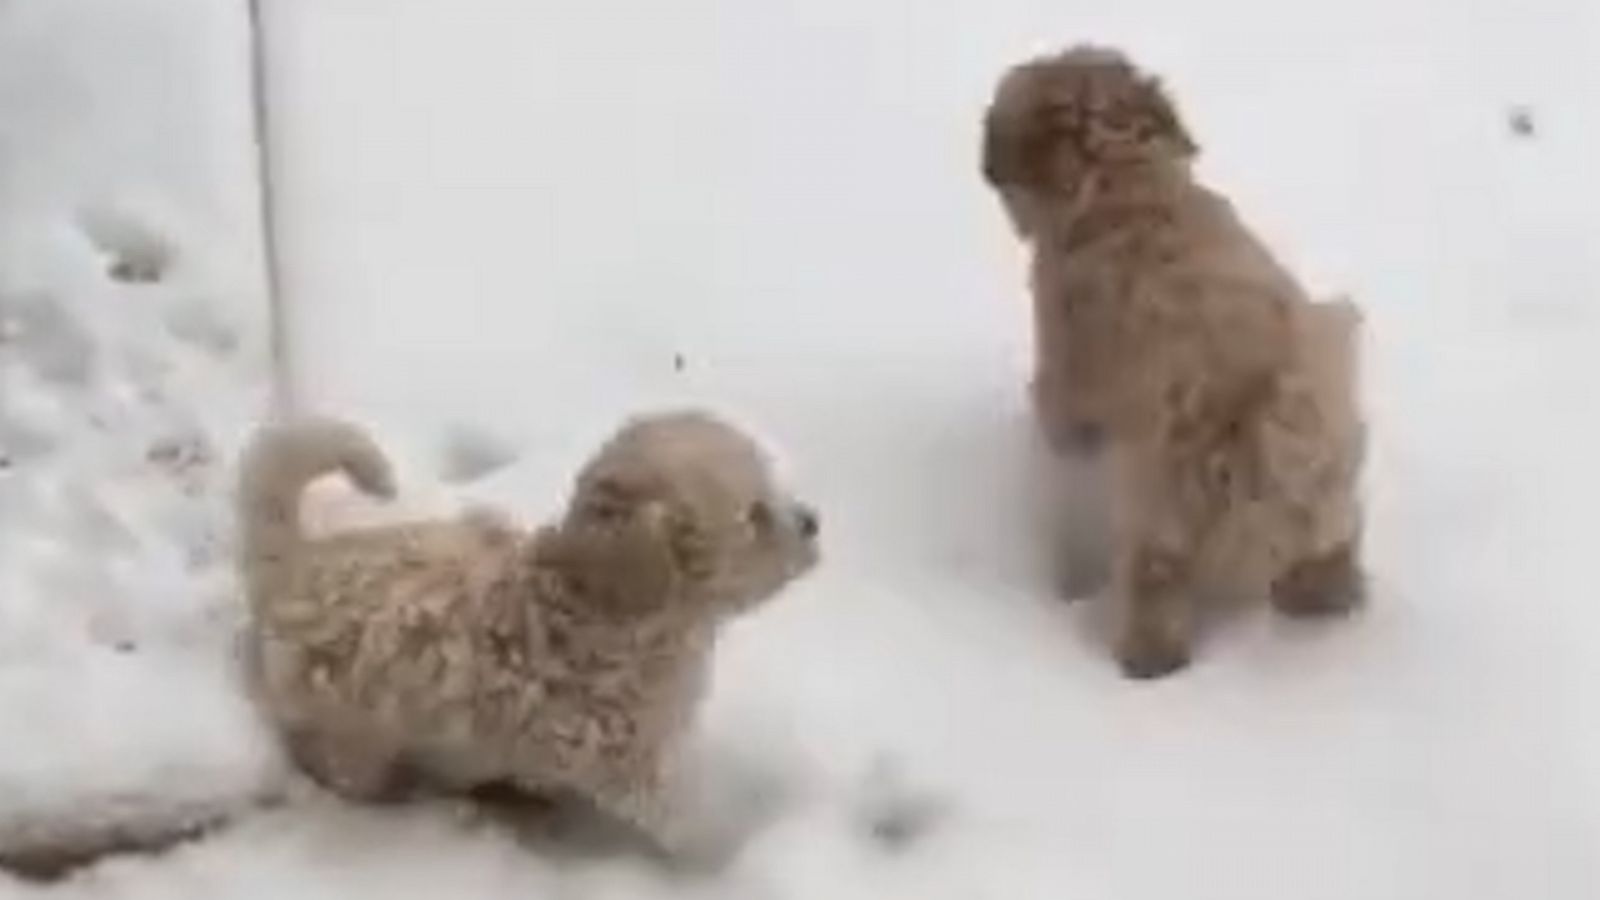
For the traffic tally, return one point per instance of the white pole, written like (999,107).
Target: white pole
(284,402)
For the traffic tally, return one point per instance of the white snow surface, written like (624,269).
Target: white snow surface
(131,359)
(507,225)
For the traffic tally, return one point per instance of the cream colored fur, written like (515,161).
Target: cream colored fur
(1225,397)
(464,653)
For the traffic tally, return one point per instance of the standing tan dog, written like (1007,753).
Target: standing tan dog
(466,653)
(1226,398)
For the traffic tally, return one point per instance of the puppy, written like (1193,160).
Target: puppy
(467,653)
(1226,398)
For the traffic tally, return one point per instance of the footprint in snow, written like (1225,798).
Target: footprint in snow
(200,322)
(48,337)
(136,252)
(895,815)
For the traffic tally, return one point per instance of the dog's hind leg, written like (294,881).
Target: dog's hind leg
(351,766)
(1331,583)
(1162,515)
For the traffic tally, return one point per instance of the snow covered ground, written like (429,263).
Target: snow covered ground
(508,224)
(131,361)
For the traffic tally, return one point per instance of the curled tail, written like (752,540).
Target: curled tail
(1330,339)
(1332,330)
(280,462)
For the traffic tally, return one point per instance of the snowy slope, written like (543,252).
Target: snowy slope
(131,360)
(521,220)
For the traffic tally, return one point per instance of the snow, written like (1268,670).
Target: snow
(508,224)
(130,363)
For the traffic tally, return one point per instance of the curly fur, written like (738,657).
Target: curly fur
(465,653)
(1165,328)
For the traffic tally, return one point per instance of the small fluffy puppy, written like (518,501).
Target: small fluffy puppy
(1224,396)
(467,653)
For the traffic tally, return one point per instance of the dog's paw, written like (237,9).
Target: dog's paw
(1321,601)
(1064,433)
(1071,437)
(1324,587)
(1145,656)
(1076,439)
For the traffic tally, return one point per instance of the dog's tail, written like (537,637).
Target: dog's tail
(280,462)
(1328,381)
(1330,339)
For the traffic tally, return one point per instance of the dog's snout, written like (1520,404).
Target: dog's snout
(806,518)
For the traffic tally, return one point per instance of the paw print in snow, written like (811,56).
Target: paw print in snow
(49,338)
(896,816)
(186,458)
(136,252)
(199,323)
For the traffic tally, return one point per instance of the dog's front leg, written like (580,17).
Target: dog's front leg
(659,801)
(1068,429)
(1158,612)
(639,798)
(625,784)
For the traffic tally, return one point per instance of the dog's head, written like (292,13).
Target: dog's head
(681,510)
(1057,119)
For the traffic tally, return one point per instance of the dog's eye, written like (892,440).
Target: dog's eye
(760,516)
(606,510)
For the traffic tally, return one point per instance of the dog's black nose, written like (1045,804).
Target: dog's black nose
(810,525)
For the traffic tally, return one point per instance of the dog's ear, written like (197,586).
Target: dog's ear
(1018,135)
(631,550)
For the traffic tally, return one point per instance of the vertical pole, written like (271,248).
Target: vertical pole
(283,394)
